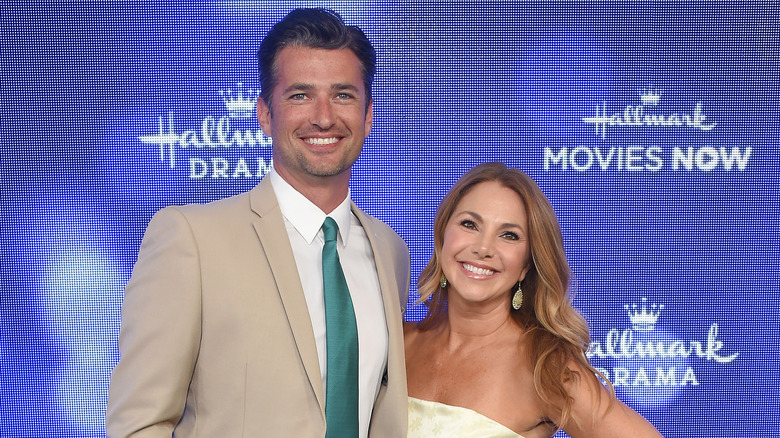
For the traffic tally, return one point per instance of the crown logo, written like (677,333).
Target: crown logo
(650,96)
(240,103)
(643,317)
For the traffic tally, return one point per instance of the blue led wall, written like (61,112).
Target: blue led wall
(652,126)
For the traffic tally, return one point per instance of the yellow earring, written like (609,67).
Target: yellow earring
(517,298)
(443,281)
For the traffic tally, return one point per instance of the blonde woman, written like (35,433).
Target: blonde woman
(501,351)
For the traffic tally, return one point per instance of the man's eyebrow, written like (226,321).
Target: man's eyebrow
(298,87)
(310,87)
(344,87)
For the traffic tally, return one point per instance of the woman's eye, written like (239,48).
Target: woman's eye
(467,223)
(510,236)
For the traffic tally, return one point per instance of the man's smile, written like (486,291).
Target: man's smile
(320,140)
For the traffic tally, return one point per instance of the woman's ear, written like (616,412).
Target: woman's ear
(525,271)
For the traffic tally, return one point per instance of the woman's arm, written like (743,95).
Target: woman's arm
(595,413)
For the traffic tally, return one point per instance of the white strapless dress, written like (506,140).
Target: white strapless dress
(428,419)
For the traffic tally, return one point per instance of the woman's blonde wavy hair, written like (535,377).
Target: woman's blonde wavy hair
(556,331)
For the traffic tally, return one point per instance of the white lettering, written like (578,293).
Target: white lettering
(658,377)
(632,156)
(621,376)
(689,377)
(220,167)
(242,169)
(708,158)
(560,157)
(713,345)
(213,134)
(622,344)
(588,158)
(594,350)
(583,158)
(262,167)
(736,156)
(665,379)
(604,161)
(223,168)
(641,378)
(678,158)
(652,154)
(198,168)
(635,116)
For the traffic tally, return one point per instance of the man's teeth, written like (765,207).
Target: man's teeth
(478,271)
(316,140)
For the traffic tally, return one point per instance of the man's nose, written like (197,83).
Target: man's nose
(322,116)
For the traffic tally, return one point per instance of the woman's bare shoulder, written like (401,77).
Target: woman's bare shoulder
(597,413)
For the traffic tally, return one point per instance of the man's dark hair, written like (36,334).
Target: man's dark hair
(317,28)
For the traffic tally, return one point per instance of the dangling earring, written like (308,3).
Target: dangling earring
(517,298)
(443,281)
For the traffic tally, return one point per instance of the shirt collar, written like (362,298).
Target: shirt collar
(306,217)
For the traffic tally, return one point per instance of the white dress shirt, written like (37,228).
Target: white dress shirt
(303,221)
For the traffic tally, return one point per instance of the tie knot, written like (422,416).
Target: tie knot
(330,229)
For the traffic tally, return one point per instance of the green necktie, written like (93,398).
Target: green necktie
(341,396)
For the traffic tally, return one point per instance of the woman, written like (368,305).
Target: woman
(501,351)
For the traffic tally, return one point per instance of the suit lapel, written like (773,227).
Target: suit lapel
(273,237)
(389,415)
(390,289)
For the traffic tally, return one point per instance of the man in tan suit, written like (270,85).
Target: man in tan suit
(223,326)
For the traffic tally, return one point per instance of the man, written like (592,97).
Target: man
(224,323)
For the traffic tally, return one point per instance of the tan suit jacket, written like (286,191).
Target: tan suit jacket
(216,339)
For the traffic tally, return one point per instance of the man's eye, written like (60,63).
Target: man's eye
(344,96)
(299,96)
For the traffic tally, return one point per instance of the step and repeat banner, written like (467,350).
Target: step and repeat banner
(652,127)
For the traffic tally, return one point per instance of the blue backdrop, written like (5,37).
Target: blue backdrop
(652,126)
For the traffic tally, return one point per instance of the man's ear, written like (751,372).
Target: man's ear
(369,117)
(264,116)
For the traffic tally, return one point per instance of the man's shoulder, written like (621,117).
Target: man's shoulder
(217,206)
(376,226)
(244,201)
(222,214)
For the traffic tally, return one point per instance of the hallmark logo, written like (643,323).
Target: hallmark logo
(215,135)
(647,157)
(635,115)
(650,96)
(642,358)
(643,318)
(240,103)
